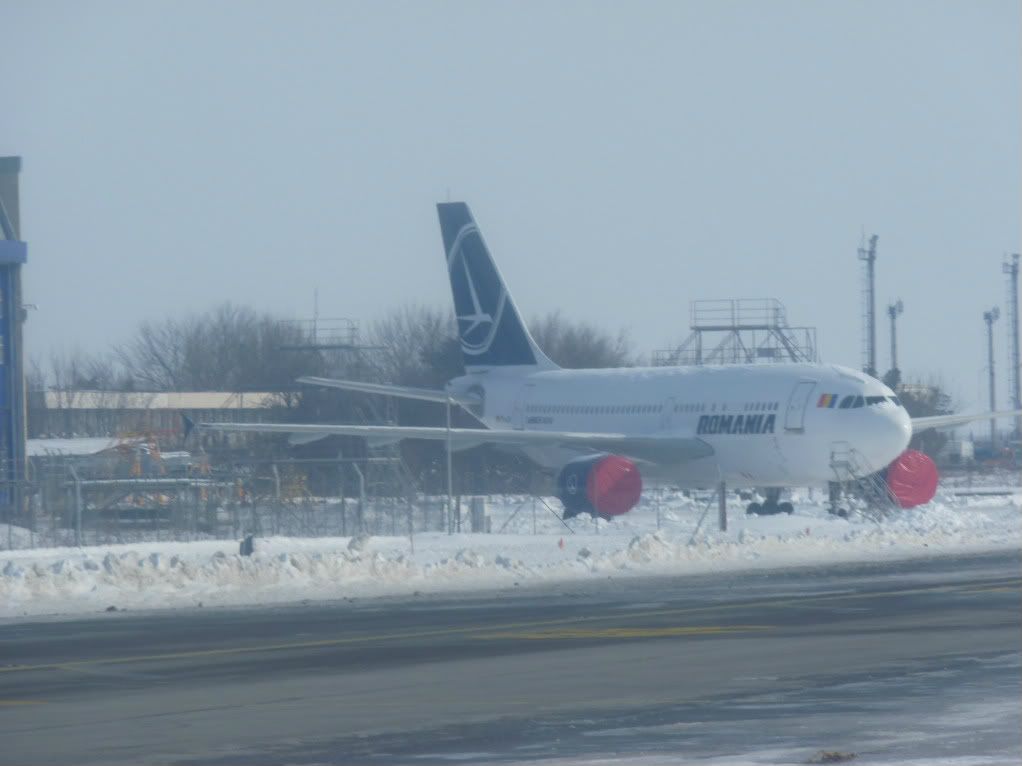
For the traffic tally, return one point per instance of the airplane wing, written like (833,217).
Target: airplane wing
(653,449)
(404,392)
(950,421)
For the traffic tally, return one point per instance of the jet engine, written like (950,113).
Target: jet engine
(912,479)
(605,485)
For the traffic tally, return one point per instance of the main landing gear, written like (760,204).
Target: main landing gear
(770,505)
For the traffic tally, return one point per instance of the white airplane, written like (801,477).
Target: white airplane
(765,426)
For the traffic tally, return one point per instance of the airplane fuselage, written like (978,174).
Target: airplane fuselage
(770,425)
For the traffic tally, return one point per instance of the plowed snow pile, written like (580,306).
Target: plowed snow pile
(283,569)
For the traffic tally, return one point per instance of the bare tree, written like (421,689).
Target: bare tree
(418,346)
(230,348)
(578,345)
(925,400)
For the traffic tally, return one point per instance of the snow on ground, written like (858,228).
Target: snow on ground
(155,575)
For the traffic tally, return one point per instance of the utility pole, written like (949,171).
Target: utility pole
(1010,267)
(869,256)
(893,311)
(990,317)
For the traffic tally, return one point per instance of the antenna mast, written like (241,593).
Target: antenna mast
(1010,267)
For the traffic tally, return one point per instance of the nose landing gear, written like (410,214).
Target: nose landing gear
(836,495)
(770,506)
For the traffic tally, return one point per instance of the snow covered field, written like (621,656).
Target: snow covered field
(158,575)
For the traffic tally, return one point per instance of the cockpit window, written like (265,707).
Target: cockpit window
(851,401)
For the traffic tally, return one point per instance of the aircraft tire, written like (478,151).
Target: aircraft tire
(787,508)
(753,509)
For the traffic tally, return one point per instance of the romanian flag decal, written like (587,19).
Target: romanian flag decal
(827,400)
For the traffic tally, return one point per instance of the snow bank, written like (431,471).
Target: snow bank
(284,569)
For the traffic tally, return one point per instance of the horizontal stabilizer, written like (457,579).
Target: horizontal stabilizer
(384,389)
(664,450)
(950,421)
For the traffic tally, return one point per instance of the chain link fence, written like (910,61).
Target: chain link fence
(135,494)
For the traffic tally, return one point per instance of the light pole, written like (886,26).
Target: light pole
(990,317)
(893,311)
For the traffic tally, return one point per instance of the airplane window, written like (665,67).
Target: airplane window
(846,402)
(871,400)
(858,402)
(895,399)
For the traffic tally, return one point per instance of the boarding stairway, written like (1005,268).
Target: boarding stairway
(859,480)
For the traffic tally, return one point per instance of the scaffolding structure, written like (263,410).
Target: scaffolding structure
(740,331)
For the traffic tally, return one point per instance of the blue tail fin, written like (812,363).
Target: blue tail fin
(491,329)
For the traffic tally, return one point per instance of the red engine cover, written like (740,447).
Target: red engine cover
(912,479)
(614,486)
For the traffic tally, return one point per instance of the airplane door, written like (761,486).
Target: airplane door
(667,414)
(795,415)
(518,412)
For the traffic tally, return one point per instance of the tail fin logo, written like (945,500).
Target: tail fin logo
(479,301)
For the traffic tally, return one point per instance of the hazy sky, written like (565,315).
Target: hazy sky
(622,159)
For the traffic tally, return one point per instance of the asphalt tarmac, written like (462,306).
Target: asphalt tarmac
(892,662)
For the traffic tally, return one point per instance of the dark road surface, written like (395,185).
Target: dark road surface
(893,661)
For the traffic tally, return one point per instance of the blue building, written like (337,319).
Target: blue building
(13,254)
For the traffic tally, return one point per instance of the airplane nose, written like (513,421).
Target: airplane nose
(895,433)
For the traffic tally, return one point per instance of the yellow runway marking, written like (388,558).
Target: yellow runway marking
(581,633)
(471,630)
